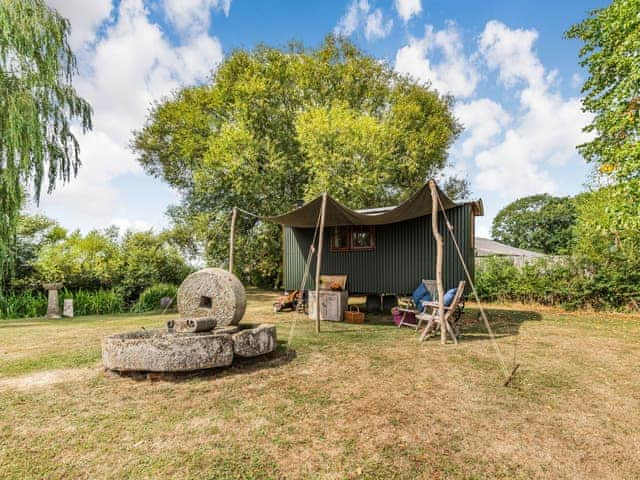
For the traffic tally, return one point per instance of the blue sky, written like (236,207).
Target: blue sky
(515,79)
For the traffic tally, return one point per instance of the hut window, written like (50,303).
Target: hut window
(340,238)
(363,238)
(352,238)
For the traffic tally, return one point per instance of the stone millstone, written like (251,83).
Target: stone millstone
(159,351)
(251,342)
(215,293)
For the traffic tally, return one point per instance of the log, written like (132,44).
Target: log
(192,325)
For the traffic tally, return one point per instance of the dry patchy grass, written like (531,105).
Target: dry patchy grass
(355,402)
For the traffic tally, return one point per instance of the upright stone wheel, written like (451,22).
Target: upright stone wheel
(215,293)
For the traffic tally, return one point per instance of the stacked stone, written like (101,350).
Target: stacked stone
(211,302)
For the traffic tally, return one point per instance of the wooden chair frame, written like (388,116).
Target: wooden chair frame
(452,315)
(406,305)
(404,316)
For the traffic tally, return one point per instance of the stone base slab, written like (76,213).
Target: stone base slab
(160,351)
(163,351)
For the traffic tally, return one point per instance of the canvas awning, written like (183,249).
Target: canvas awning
(418,205)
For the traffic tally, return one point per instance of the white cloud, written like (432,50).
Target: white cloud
(92,194)
(85,17)
(517,156)
(408,8)
(376,27)
(455,73)
(351,19)
(131,64)
(509,168)
(134,64)
(194,15)
(359,15)
(484,119)
(510,51)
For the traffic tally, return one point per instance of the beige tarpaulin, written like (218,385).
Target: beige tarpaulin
(337,214)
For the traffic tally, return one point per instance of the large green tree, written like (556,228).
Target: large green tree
(611,55)
(37,107)
(604,234)
(608,225)
(539,222)
(276,126)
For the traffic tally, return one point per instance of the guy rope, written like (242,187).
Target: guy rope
(307,267)
(508,374)
(303,282)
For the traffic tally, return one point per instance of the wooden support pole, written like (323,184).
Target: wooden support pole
(323,209)
(439,258)
(232,236)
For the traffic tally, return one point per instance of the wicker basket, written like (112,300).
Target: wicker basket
(353,315)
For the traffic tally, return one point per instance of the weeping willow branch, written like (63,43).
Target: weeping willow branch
(37,107)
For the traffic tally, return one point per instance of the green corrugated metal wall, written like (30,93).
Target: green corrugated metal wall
(404,254)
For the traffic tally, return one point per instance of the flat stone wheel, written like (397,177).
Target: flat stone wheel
(215,293)
(159,351)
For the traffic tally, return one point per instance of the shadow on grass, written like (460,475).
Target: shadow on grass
(355,328)
(22,325)
(504,323)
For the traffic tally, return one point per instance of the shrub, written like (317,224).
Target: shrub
(493,278)
(149,299)
(24,305)
(544,281)
(98,302)
(568,282)
(34,304)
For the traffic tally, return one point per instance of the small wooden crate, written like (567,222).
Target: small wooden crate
(353,315)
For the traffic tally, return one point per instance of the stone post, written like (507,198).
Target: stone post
(53,308)
(67,307)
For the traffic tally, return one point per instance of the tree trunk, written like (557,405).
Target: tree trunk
(319,259)
(439,255)
(232,237)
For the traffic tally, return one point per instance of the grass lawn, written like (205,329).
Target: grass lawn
(357,401)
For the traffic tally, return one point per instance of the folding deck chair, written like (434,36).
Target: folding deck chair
(407,306)
(452,314)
